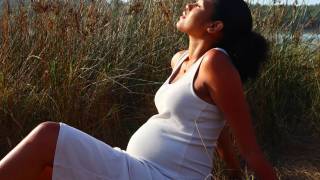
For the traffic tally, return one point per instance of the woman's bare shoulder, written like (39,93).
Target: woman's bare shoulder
(216,61)
(219,73)
(176,57)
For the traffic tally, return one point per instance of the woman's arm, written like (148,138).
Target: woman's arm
(225,88)
(226,151)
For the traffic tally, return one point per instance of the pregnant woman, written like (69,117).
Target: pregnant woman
(202,95)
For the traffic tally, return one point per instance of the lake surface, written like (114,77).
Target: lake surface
(311,36)
(314,39)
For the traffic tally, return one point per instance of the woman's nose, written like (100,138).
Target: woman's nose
(187,6)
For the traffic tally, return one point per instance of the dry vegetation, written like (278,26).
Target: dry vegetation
(96,66)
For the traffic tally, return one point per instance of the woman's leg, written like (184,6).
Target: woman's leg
(46,174)
(29,158)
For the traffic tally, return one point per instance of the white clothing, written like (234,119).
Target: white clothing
(167,146)
(170,140)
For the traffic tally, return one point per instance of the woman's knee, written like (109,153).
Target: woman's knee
(44,138)
(48,126)
(44,132)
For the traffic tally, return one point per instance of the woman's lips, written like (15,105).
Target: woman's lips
(182,17)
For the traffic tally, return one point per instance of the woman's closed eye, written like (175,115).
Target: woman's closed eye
(194,3)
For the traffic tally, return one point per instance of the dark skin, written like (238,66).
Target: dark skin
(224,146)
(218,82)
(46,174)
(32,155)
(227,152)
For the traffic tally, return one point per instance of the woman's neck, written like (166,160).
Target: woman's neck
(197,47)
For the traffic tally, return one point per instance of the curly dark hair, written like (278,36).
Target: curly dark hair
(247,49)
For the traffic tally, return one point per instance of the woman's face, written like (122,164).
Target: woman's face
(196,17)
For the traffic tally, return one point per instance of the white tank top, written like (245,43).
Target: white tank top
(180,139)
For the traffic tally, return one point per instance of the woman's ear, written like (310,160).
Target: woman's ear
(215,26)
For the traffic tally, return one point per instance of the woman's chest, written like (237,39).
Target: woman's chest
(197,81)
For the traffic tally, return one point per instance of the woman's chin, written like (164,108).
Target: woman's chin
(179,27)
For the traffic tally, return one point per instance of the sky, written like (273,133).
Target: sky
(289,1)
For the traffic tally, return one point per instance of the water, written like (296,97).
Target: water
(311,36)
(312,39)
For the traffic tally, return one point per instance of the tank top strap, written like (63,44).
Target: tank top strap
(181,59)
(198,63)
(222,50)
(194,67)
(202,57)
(185,53)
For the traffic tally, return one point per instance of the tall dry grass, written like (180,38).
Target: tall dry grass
(97,65)
(90,64)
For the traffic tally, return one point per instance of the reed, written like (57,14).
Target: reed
(97,65)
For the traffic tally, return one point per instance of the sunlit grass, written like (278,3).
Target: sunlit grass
(96,66)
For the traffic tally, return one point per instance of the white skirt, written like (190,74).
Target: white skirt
(79,156)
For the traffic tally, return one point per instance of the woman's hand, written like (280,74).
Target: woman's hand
(225,88)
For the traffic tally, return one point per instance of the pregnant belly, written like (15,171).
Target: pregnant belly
(156,142)
(172,149)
